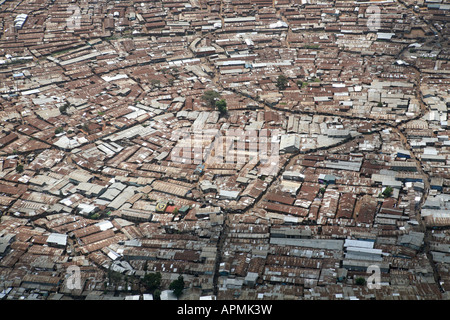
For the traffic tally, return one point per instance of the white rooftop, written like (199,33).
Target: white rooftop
(57,238)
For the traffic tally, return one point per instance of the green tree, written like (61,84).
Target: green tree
(152,281)
(114,277)
(210,97)
(157,294)
(177,286)
(221,105)
(64,107)
(360,281)
(19,168)
(282,82)
(59,130)
(387,192)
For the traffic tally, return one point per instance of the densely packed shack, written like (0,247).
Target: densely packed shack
(259,149)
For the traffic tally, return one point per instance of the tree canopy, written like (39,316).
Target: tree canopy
(360,281)
(152,280)
(387,192)
(221,105)
(177,286)
(210,97)
(282,82)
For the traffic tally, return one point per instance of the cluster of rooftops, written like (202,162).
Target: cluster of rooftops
(332,156)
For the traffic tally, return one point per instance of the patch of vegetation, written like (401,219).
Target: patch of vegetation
(152,281)
(155,82)
(221,105)
(60,52)
(210,97)
(282,82)
(302,84)
(19,168)
(95,216)
(177,286)
(64,107)
(157,294)
(360,281)
(311,46)
(387,192)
